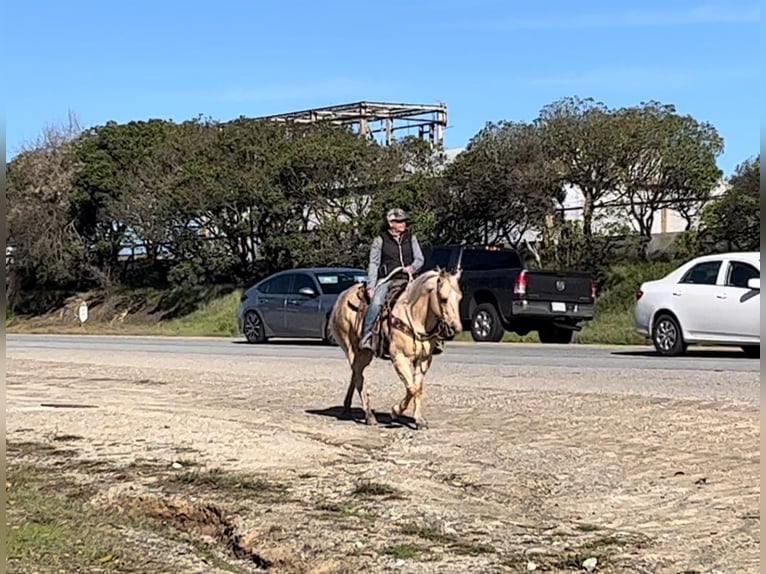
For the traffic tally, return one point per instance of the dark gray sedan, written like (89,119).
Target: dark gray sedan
(295,303)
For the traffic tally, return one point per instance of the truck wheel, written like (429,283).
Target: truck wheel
(486,325)
(550,334)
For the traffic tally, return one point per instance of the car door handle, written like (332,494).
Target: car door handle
(677,293)
(721,296)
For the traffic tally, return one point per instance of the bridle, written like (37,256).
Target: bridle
(441,330)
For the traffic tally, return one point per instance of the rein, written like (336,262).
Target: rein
(439,331)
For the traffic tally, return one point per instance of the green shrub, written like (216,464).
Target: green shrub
(216,318)
(618,292)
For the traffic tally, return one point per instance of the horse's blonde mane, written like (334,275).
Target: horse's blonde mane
(419,285)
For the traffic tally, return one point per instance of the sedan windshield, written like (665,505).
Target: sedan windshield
(335,283)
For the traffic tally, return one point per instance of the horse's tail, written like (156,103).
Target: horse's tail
(345,320)
(337,328)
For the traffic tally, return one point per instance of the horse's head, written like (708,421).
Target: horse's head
(445,302)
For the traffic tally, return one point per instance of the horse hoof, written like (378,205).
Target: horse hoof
(395,414)
(421,425)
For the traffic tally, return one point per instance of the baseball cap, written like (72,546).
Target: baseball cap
(397,214)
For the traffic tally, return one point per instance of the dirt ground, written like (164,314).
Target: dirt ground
(249,462)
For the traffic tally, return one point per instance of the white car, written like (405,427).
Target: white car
(714,299)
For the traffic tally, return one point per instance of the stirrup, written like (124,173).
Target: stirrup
(366,342)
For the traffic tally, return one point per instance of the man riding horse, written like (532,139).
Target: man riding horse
(420,313)
(396,246)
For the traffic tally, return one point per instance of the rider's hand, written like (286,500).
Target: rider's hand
(408,269)
(370,291)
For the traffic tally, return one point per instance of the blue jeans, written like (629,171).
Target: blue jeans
(375,305)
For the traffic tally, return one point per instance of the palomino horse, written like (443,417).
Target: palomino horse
(428,309)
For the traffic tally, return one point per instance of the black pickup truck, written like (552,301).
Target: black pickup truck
(500,294)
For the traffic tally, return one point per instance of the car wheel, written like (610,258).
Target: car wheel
(486,325)
(752,351)
(667,336)
(252,328)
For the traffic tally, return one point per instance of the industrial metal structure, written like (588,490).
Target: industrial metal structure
(378,120)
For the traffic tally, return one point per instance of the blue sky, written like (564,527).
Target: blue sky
(487,59)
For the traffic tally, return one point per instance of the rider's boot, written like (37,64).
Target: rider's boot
(366,342)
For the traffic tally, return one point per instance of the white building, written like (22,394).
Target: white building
(666,220)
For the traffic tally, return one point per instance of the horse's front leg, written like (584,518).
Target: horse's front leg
(420,368)
(407,373)
(398,410)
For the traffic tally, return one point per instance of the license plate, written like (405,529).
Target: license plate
(558,306)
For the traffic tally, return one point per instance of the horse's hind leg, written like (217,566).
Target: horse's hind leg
(360,362)
(351,385)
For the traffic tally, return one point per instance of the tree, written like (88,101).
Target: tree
(665,161)
(579,137)
(500,188)
(48,251)
(732,221)
(118,190)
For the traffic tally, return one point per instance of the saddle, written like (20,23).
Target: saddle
(381,328)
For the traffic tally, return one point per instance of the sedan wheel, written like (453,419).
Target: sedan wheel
(253,328)
(667,336)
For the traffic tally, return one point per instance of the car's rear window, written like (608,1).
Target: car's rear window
(335,283)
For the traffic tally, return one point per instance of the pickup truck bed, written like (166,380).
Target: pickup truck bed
(500,294)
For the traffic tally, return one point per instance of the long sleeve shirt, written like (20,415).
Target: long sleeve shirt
(375,257)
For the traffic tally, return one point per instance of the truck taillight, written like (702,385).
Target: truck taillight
(593,289)
(639,294)
(520,287)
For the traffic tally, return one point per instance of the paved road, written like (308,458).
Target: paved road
(591,357)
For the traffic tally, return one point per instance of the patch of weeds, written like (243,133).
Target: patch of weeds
(38,449)
(600,548)
(632,540)
(335,508)
(450,541)
(587,527)
(370,488)
(517,561)
(472,548)
(600,543)
(88,465)
(66,437)
(218,480)
(402,551)
(575,561)
(187,462)
(427,532)
(455,480)
(345,510)
(29,447)
(52,527)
